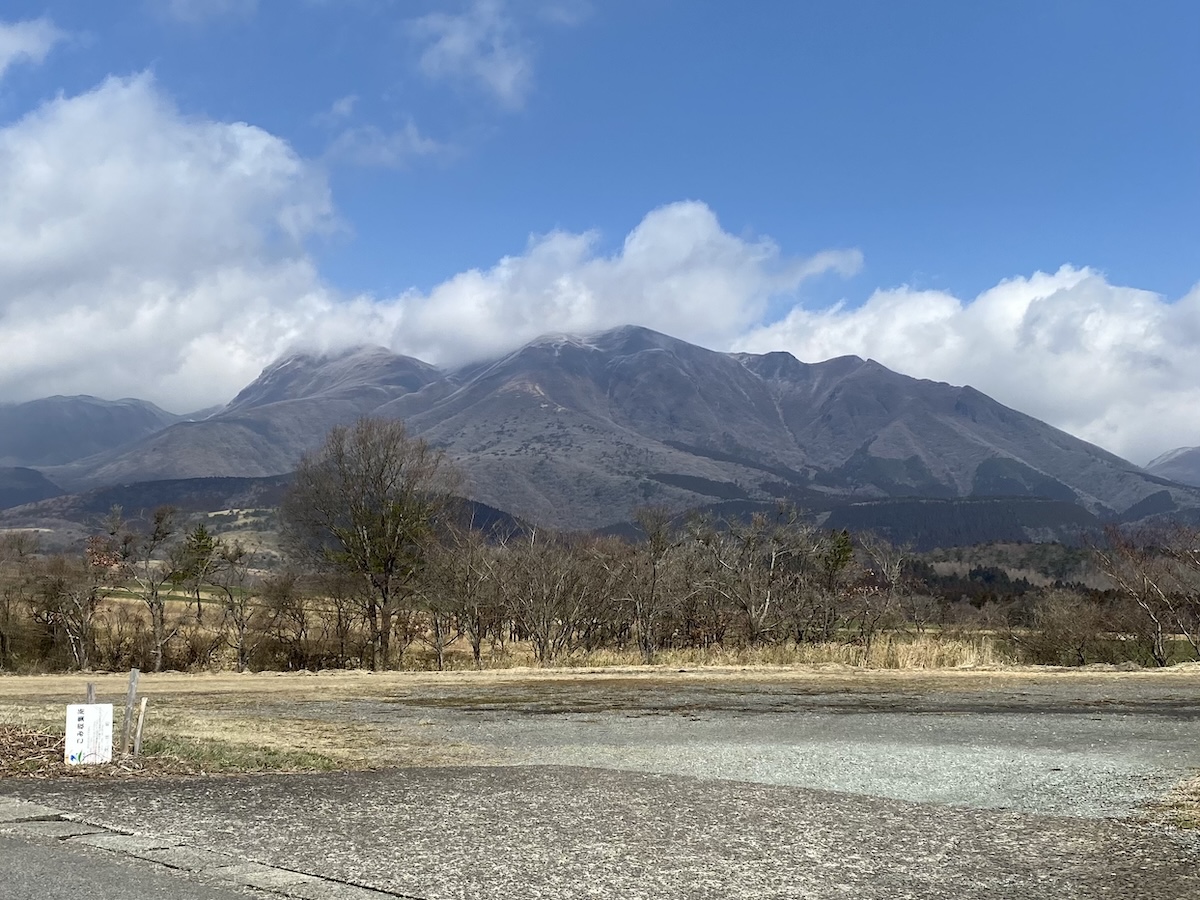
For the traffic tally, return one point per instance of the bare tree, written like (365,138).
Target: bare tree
(547,591)
(871,604)
(343,592)
(1159,571)
(648,571)
(230,575)
(18,550)
(759,567)
(469,573)
(288,619)
(73,589)
(147,557)
(1067,629)
(366,504)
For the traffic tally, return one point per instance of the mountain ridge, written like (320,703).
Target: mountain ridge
(575,430)
(60,429)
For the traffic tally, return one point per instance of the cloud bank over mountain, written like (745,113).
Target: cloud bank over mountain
(1114,365)
(152,253)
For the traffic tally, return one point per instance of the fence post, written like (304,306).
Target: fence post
(137,737)
(127,725)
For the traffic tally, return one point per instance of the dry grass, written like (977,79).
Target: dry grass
(1181,807)
(207,724)
(210,690)
(31,745)
(38,753)
(889,652)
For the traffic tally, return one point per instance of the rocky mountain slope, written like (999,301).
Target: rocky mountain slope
(1182,465)
(264,430)
(575,431)
(581,429)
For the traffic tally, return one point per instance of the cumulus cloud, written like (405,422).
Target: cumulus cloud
(678,271)
(1114,365)
(166,257)
(151,259)
(30,41)
(481,47)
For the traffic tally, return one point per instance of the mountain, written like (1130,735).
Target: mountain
(578,430)
(1182,465)
(19,486)
(264,430)
(575,431)
(57,430)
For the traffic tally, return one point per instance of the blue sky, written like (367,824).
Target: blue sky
(879,178)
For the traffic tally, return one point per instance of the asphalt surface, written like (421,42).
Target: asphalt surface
(32,869)
(556,832)
(670,790)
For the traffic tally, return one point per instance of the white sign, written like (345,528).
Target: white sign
(89,733)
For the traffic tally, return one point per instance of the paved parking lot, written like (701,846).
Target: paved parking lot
(671,788)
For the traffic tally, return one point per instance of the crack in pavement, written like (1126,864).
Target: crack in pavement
(29,820)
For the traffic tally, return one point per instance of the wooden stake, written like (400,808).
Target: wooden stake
(127,725)
(91,693)
(137,738)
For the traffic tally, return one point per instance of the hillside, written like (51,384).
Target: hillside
(56,430)
(1182,465)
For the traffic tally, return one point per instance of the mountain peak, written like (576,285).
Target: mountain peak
(1171,456)
(636,338)
(1181,464)
(322,357)
(306,374)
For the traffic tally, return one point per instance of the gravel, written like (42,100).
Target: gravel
(1099,748)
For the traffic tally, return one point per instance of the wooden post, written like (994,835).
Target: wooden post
(137,738)
(127,725)
(91,693)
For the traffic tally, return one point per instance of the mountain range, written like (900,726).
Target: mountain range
(576,431)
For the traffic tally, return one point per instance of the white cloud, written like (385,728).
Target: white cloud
(368,145)
(1114,365)
(482,47)
(678,271)
(28,41)
(195,12)
(161,256)
(164,257)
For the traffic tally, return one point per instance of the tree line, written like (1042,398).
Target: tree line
(384,565)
